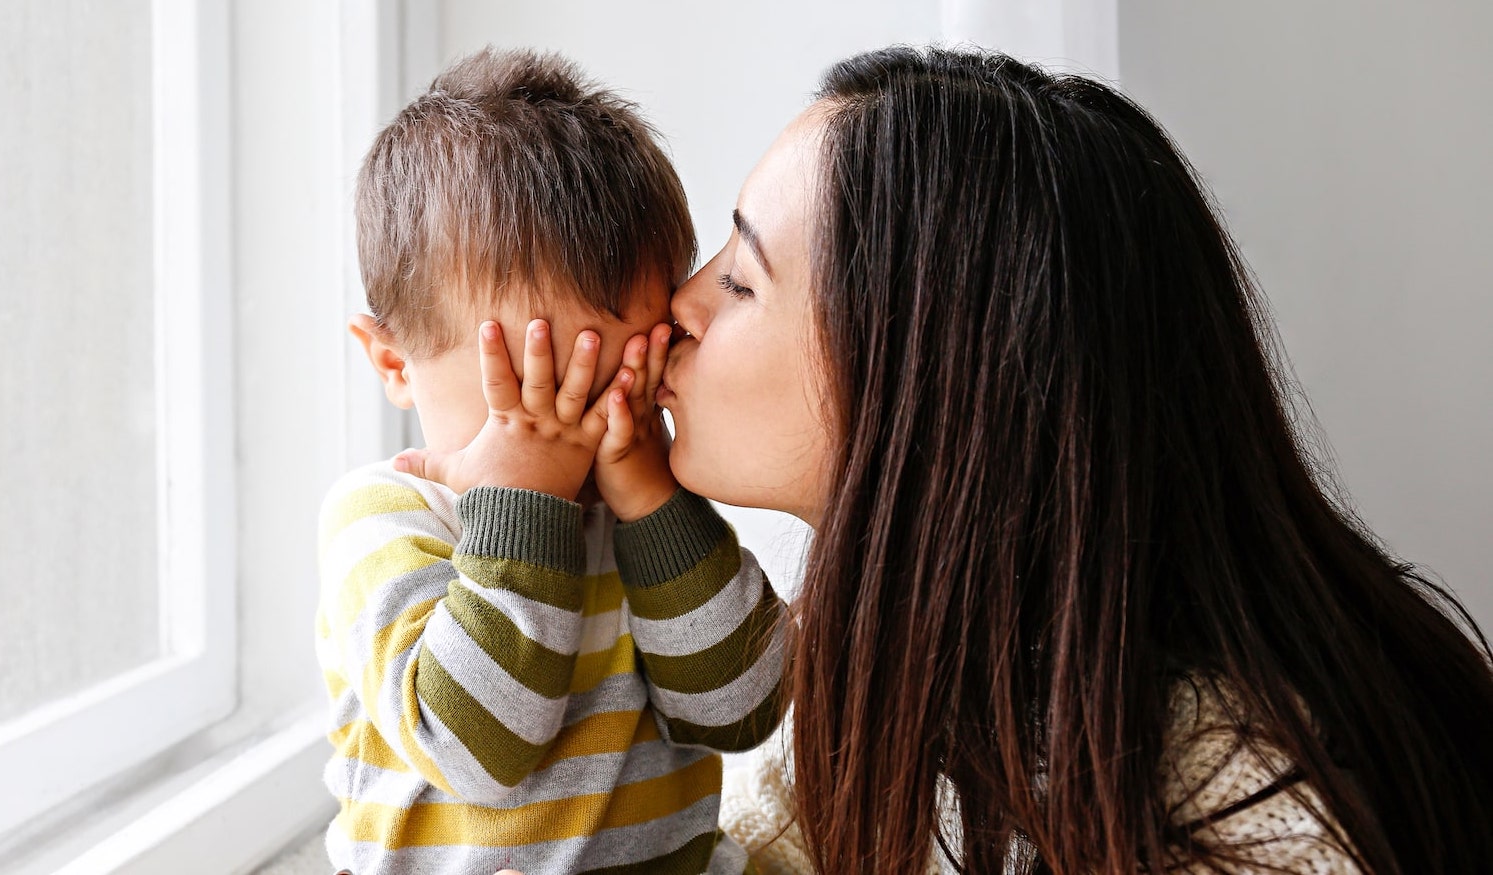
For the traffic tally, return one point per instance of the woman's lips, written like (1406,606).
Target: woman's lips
(664,395)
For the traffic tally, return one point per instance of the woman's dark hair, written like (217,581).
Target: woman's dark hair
(1069,480)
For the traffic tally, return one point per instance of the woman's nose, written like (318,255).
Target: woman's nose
(688,308)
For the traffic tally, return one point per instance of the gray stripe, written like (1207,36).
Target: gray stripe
(707,624)
(726,705)
(345,710)
(729,857)
(644,841)
(578,776)
(552,627)
(618,692)
(529,715)
(381,609)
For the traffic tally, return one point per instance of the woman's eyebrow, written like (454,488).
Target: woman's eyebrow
(749,234)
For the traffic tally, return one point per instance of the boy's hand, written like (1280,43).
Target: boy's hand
(632,463)
(535,437)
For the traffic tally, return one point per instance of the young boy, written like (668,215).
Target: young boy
(530,668)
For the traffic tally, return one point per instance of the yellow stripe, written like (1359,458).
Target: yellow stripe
(390,641)
(609,732)
(359,740)
(593,668)
(474,826)
(407,722)
(336,684)
(372,500)
(603,594)
(396,558)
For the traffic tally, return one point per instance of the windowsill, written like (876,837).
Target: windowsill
(232,812)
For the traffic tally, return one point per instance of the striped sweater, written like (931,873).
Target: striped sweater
(515,683)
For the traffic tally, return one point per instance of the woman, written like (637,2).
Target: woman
(979,327)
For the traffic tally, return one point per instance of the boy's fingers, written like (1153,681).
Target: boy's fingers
(570,403)
(420,463)
(628,381)
(658,356)
(635,358)
(596,421)
(618,438)
(499,385)
(539,369)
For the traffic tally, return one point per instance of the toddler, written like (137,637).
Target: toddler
(535,643)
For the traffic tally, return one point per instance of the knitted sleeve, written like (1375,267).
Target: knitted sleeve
(711,631)
(459,656)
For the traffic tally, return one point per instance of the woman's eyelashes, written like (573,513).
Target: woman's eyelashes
(732,287)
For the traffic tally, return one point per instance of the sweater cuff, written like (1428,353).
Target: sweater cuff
(668,542)
(520,524)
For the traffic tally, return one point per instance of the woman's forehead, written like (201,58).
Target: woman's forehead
(778,195)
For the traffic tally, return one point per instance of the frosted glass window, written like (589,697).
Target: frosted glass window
(78,467)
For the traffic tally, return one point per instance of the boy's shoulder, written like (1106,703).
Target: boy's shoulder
(376,489)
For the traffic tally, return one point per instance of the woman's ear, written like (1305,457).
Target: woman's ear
(386,357)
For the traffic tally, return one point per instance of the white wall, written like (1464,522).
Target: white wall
(1349,143)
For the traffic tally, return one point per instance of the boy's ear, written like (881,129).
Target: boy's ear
(387,359)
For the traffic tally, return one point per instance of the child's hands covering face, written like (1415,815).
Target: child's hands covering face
(536,436)
(632,463)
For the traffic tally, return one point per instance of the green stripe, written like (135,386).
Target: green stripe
(688,860)
(722,662)
(742,735)
(506,757)
(532,527)
(690,590)
(537,667)
(554,588)
(669,541)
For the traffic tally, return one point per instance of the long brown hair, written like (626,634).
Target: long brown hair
(1070,478)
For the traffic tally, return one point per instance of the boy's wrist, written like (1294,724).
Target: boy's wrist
(644,501)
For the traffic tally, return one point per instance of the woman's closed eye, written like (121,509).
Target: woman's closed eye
(732,287)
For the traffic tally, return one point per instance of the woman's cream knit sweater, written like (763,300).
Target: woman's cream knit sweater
(1208,772)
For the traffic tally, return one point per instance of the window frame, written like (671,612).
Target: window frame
(66,746)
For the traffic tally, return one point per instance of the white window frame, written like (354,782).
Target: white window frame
(65,747)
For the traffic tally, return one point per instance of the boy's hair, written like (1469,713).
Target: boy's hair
(512,167)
